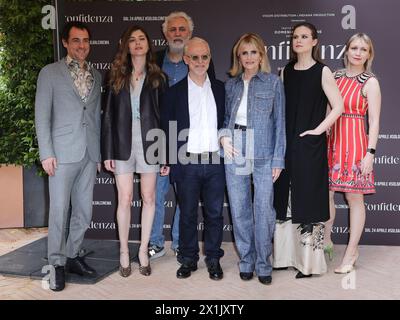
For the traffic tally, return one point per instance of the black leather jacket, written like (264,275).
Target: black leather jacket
(116,126)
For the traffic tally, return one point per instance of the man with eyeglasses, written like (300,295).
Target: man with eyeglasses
(196,105)
(177,29)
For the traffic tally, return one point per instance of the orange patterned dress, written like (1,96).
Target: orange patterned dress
(348,140)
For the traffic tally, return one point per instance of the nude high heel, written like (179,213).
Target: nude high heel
(347,267)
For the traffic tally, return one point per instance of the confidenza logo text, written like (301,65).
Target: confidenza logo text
(383,206)
(88,18)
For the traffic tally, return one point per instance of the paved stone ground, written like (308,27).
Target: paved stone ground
(376,277)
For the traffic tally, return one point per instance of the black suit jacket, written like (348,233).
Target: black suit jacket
(175,107)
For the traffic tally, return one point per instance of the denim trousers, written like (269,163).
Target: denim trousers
(157,232)
(253,217)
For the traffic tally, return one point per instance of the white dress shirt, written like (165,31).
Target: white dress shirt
(203,131)
(241,115)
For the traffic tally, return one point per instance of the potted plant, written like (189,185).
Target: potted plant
(25,47)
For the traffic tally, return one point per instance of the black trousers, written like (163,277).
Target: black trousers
(205,181)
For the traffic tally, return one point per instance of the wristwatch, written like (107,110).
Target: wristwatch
(371,150)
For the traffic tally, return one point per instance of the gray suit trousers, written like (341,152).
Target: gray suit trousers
(72,185)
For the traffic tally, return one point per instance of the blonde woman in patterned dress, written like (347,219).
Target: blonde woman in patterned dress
(350,149)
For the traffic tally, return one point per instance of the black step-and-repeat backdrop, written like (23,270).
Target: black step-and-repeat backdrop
(221,22)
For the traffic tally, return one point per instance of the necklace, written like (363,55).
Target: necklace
(138,76)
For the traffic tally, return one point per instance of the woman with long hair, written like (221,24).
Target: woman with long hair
(254,148)
(131,111)
(350,149)
(301,192)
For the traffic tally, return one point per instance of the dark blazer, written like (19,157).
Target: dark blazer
(175,107)
(116,127)
(160,59)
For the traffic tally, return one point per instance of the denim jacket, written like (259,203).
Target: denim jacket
(265,115)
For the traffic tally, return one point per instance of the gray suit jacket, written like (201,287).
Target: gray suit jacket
(66,126)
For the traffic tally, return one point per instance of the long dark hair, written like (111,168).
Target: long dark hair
(121,67)
(315,51)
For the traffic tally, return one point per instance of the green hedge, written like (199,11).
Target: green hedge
(25,47)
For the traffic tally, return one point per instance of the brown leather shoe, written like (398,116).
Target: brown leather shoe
(125,272)
(145,270)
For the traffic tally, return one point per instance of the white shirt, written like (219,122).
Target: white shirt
(203,131)
(241,115)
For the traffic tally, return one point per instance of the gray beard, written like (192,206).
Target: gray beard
(176,49)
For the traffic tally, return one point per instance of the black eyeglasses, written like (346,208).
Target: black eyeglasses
(196,58)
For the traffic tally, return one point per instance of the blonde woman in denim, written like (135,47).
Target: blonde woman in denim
(254,144)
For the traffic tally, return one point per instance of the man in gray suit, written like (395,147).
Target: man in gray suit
(67,118)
